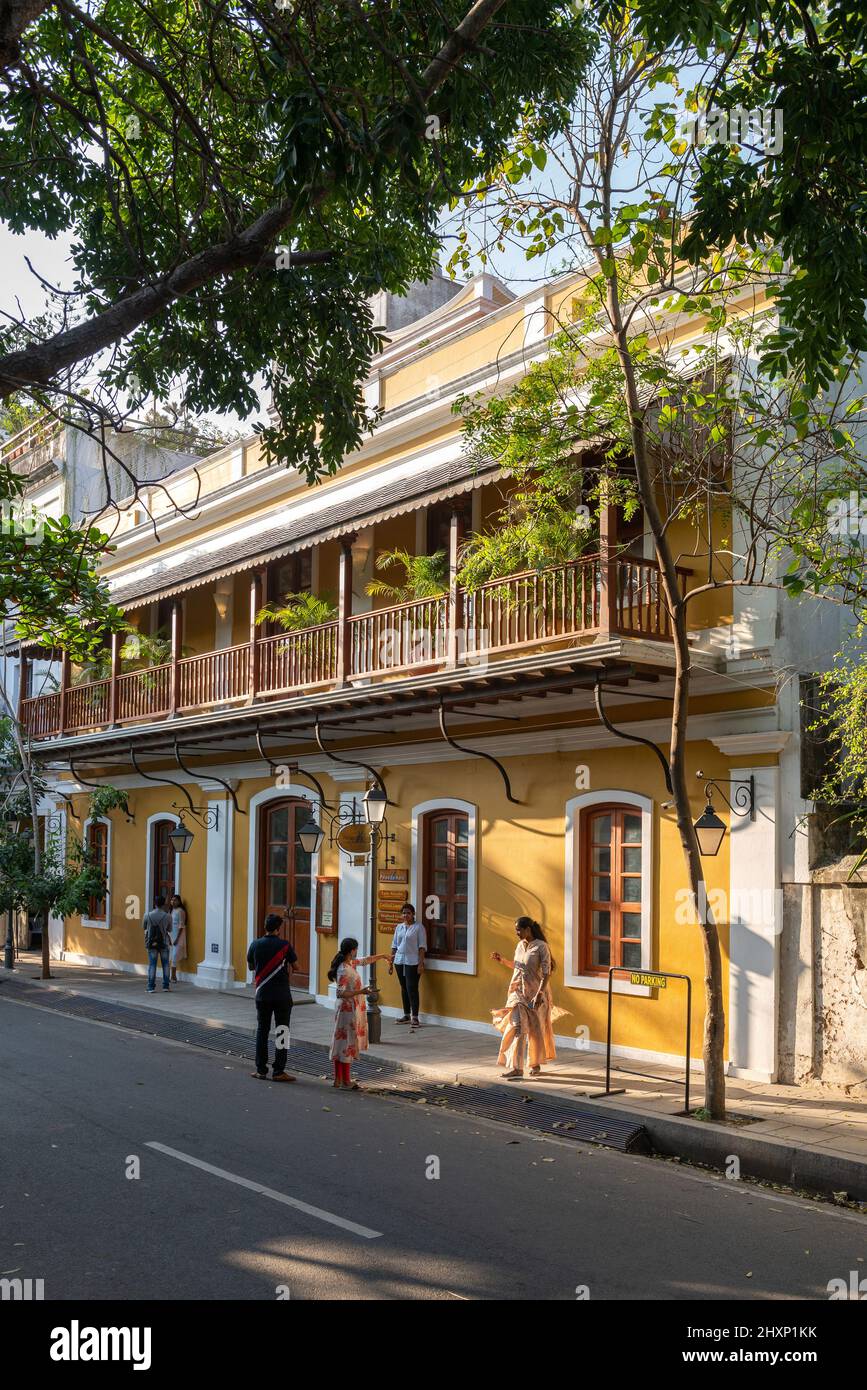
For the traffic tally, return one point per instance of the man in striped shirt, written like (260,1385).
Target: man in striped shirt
(270,958)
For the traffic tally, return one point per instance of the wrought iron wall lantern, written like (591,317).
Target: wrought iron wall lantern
(311,835)
(208,817)
(709,829)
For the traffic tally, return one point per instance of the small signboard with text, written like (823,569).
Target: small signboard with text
(392,888)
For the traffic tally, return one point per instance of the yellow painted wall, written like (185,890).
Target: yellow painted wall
(130,894)
(485,344)
(521,858)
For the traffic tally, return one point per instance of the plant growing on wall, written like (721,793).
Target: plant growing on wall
(424,576)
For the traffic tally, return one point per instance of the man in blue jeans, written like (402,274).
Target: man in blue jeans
(270,958)
(157,926)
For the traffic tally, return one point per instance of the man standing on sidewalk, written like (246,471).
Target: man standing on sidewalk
(157,926)
(270,958)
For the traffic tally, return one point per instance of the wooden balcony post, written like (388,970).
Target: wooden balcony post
(456,598)
(344,612)
(608,611)
(23,683)
(64,688)
(253,661)
(115,672)
(175,674)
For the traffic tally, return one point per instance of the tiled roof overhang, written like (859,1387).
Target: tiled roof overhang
(437,484)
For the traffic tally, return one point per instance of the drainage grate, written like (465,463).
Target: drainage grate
(535,1112)
(543,1115)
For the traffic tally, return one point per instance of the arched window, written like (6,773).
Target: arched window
(612,889)
(445,882)
(163,867)
(96,839)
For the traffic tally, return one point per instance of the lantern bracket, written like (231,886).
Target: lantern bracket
(208,817)
(743,802)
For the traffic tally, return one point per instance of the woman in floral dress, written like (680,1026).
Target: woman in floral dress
(350,1018)
(526,1022)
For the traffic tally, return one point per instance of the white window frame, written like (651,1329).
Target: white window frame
(92,921)
(450,803)
(572,902)
(148,892)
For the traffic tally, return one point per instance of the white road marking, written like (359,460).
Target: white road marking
(317,1212)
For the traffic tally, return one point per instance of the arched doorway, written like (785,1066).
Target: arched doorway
(163,861)
(285,876)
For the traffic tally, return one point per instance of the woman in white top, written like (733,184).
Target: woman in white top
(408,949)
(179,934)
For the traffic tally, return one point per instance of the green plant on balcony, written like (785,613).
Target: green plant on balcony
(295,612)
(425,576)
(529,536)
(138,651)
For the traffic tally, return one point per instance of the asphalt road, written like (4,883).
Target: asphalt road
(510,1216)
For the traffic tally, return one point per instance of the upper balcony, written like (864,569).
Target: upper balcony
(565,606)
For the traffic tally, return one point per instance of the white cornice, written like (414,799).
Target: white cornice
(736,745)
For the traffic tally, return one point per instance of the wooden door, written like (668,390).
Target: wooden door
(162,862)
(285,877)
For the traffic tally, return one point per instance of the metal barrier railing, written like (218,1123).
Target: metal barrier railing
(657,979)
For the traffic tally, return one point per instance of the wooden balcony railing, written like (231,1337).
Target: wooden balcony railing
(213,679)
(295,660)
(523,611)
(395,639)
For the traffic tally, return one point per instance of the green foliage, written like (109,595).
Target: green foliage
(843,724)
(807,62)
(139,650)
(66,877)
(157,141)
(107,799)
(532,532)
(49,589)
(425,576)
(298,611)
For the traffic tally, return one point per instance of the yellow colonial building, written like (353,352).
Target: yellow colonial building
(498,723)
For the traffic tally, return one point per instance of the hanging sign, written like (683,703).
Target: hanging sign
(355,838)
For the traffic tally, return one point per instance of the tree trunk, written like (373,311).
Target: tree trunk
(714,1018)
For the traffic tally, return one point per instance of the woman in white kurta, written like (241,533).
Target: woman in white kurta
(349,1039)
(526,1022)
(179,934)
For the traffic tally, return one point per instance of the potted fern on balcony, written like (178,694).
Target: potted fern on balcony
(306,658)
(421,637)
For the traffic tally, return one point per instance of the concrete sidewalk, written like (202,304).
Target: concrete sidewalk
(795,1122)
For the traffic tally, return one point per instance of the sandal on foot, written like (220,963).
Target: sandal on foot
(513,1075)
